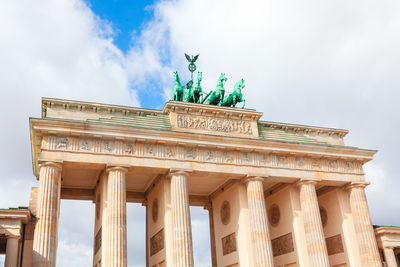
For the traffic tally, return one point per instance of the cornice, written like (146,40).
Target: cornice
(94,107)
(297,128)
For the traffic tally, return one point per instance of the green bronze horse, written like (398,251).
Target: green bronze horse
(218,95)
(236,96)
(188,93)
(178,90)
(197,91)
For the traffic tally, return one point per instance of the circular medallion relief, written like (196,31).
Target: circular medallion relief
(274,215)
(98,207)
(324,216)
(225,212)
(154,210)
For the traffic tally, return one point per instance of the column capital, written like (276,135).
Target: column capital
(117,168)
(54,164)
(251,178)
(305,181)
(184,172)
(352,185)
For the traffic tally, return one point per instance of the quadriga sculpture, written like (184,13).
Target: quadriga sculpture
(197,91)
(236,96)
(188,93)
(218,95)
(178,90)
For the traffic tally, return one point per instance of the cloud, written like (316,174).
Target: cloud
(56,49)
(331,64)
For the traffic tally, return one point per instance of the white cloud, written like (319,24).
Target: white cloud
(324,63)
(57,49)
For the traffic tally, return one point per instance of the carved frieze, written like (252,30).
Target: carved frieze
(218,155)
(282,245)
(85,145)
(229,244)
(334,244)
(107,146)
(157,242)
(190,153)
(213,124)
(210,155)
(228,157)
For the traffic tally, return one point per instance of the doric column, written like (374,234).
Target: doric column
(116,253)
(212,234)
(46,231)
(363,226)
(315,239)
(11,251)
(390,258)
(182,248)
(260,238)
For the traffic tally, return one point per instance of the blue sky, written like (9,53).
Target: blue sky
(127,17)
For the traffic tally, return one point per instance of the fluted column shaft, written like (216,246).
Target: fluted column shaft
(315,239)
(46,231)
(390,258)
(263,256)
(116,252)
(182,248)
(363,226)
(11,251)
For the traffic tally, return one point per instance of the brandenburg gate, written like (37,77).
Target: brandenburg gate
(277,194)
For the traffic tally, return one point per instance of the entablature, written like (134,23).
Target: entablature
(55,137)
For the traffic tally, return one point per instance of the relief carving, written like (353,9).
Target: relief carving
(282,161)
(334,244)
(157,242)
(316,164)
(129,148)
(85,145)
(274,215)
(332,165)
(107,146)
(209,155)
(214,124)
(190,153)
(228,157)
(149,150)
(299,162)
(282,245)
(170,152)
(348,166)
(63,143)
(229,244)
(245,158)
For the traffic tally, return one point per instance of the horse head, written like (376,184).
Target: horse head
(239,85)
(199,77)
(176,77)
(222,77)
